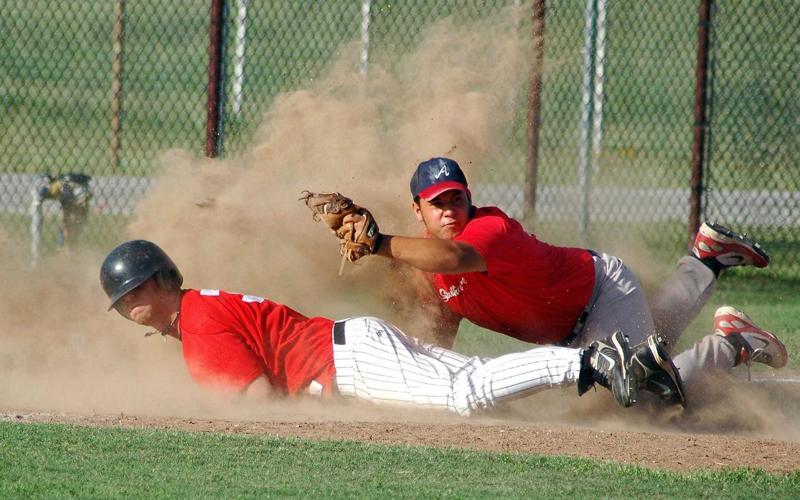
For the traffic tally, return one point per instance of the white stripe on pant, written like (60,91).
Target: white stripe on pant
(379,363)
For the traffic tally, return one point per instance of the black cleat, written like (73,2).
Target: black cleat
(652,370)
(606,362)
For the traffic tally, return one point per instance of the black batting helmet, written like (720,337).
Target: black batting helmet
(134,262)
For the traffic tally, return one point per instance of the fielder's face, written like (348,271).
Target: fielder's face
(446,215)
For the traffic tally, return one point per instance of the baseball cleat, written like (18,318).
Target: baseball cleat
(654,371)
(752,344)
(606,362)
(729,248)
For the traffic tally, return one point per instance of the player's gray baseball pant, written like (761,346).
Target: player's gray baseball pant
(620,303)
(376,361)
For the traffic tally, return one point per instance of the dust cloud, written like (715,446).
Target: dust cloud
(768,407)
(237,224)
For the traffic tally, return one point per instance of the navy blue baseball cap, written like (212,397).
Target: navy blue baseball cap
(435,176)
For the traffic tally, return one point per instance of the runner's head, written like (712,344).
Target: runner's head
(143,285)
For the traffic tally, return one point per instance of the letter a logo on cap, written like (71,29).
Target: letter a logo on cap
(436,176)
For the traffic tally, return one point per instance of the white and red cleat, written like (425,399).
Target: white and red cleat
(728,247)
(753,344)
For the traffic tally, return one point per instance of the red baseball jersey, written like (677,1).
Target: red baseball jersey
(531,290)
(229,340)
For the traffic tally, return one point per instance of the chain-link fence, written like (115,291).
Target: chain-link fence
(752,172)
(101,88)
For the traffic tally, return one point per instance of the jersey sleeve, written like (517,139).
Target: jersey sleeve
(489,236)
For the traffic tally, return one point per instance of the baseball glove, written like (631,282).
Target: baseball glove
(332,208)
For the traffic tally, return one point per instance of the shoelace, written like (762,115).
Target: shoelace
(759,356)
(604,365)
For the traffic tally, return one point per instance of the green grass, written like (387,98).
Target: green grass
(772,303)
(52,460)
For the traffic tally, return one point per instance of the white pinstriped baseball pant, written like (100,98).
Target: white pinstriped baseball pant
(376,361)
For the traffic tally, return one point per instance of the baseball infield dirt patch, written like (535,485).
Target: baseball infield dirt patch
(676,451)
(731,431)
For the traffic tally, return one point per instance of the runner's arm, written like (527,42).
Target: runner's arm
(445,329)
(442,320)
(258,390)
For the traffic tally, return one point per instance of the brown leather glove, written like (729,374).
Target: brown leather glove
(332,208)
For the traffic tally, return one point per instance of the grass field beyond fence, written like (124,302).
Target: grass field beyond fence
(56,88)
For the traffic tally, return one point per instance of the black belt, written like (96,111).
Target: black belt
(338,333)
(578,328)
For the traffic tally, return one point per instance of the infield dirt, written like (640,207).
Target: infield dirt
(591,430)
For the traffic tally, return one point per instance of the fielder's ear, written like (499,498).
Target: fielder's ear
(417,211)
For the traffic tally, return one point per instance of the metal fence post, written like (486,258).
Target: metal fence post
(700,121)
(215,79)
(534,112)
(587,108)
(366,6)
(116,82)
(238,60)
(599,76)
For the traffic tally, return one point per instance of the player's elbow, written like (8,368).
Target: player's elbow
(461,258)
(449,261)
